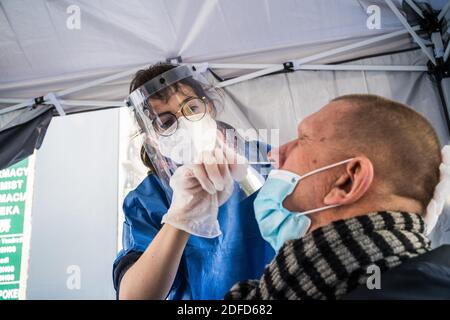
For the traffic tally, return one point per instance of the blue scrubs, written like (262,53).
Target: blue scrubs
(209,267)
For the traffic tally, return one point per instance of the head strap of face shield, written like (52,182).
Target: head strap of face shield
(164,80)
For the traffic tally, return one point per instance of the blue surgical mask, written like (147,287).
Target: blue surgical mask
(276,223)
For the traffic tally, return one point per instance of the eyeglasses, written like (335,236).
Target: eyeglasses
(192,108)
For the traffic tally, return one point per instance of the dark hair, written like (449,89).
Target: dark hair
(145,75)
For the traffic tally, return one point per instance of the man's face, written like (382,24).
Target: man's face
(310,150)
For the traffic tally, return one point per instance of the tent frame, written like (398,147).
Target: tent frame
(438,65)
(264,69)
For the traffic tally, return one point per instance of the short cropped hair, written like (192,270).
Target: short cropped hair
(401,143)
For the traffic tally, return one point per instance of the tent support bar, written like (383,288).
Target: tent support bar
(323,67)
(444,11)
(241,66)
(414,6)
(250,76)
(447,52)
(335,67)
(343,67)
(444,93)
(438,45)
(411,30)
(86,85)
(22,105)
(97,82)
(353,46)
(76,103)
(318,56)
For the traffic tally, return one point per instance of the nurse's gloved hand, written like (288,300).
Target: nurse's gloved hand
(220,167)
(237,163)
(194,209)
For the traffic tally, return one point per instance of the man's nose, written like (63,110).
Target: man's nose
(278,155)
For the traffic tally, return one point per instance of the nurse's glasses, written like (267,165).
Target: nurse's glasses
(192,108)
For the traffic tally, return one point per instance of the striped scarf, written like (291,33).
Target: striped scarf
(333,260)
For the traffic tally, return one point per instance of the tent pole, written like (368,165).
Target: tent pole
(250,76)
(86,85)
(438,45)
(444,11)
(447,52)
(21,103)
(353,46)
(318,56)
(444,93)
(16,107)
(91,105)
(241,66)
(440,68)
(322,67)
(97,82)
(414,6)
(344,67)
(336,67)
(437,65)
(81,103)
(413,33)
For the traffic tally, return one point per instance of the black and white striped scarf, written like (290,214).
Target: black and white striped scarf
(333,260)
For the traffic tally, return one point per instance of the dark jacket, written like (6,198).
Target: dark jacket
(424,277)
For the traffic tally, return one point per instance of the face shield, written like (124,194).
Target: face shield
(175,113)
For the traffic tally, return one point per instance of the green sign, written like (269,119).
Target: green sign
(13,187)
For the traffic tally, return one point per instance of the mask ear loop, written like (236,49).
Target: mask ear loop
(317,171)
(441,193)
(325,168)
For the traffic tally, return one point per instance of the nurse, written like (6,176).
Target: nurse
(190,230)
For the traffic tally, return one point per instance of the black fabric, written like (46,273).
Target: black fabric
(19,142)
(124,264)
(426,277)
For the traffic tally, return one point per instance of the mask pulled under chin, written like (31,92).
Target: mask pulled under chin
(277,224)
(190,140)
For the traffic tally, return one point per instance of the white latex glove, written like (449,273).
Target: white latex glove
(194,209)
(213,174)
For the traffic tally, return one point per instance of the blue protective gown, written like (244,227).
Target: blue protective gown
(208,267)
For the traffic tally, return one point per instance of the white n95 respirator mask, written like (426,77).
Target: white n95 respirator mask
(192,138)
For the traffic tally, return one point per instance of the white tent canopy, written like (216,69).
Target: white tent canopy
(40,54)
(76,67)
(81,57)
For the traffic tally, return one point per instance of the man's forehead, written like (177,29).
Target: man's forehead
(323,120)
(309,123)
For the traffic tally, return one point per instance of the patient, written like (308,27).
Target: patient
(355,228)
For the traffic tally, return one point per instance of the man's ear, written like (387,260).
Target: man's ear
(353,183)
